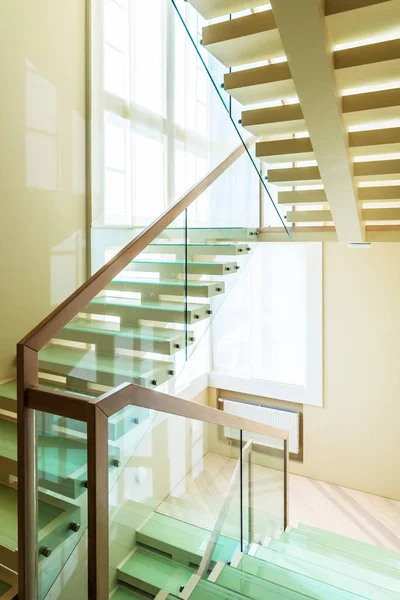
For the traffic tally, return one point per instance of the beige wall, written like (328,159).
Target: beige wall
(354,440)
(42,162)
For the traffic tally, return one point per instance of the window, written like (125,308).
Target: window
(151,110)
(267,337)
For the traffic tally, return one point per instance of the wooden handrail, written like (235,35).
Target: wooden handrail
(128,394)
(53,323)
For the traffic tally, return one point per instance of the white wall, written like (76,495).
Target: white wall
(354,440)
(42,163)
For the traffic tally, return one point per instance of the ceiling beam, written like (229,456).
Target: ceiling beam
(304,35)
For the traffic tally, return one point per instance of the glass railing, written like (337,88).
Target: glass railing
(188,491)
(193,496)
(146,324)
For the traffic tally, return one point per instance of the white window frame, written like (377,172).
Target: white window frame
(312,392)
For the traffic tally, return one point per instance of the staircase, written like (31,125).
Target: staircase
(303,563)
(140,330)
(335,166)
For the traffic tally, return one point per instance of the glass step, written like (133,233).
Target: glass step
(124,594)
(187,251)
(131,310)
(8,393)
(176,268)
(144,339)
(210,234)
(383,556)
(337,561)
(206,590)
(59,459)
(294,581)
(4,587)
(336,546)
(54,518)
(323,574)
(184,542)
(151,573)
(173,287)
(103,368)
(253,587)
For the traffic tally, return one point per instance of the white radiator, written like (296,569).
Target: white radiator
(283,419)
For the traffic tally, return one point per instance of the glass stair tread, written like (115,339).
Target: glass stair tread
(124,594)
(335,546)
(172,287)
(8,395)
(4,587)
(206,590)
(267,556)
(290,579)
(151,573)
(213,248)
(131,308)
(337,561)
(183,539)
(104,369)
(8,389)
(9,513)
(254,587)
(178,267)
(381,555)
(160,340)
(157,334)
(134,303)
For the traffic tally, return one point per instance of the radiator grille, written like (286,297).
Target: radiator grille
(283,419)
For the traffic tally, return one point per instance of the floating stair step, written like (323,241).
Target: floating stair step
(4,587)
(259,85)
(8,395)
(55,518)
(352,21)
(104,369)
(274,121)
(371,107)
(309,216)
(339,6)
(192,249)
(151,573)
(376,193)
(338,561)
(210,9)
(377,170)
(109,336)
(287,578)
(302,197)
(131,311)
(244,40)
(194,289)
(177,268)
(206,590)
(375,141)
(380,214)
(294,176)
(121,593)
(283,151)
(369,65)
(184,542)
(254,587)
(61,460)
(265,557)
(384,556)
(119,424)
(210,234)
